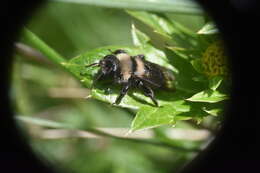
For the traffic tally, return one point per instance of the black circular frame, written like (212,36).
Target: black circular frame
(231,151)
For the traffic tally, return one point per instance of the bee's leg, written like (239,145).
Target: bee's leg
(148,92)
(123,92)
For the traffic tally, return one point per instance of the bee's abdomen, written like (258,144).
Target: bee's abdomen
(150,73)
(158,76)
(139,67)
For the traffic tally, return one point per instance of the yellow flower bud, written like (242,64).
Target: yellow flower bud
(214,60)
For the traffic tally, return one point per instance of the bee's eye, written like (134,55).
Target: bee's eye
(108,64)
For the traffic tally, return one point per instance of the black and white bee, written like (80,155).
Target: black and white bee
(133,72)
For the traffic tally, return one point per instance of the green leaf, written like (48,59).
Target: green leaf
(148,117)
(159,24)
(196,112)
(176,6)
(154,55)
(214,112)
(184,74)
(209,96)
(197,65)
(172,32)
(208,28)
(215,82)
(188,54)
(139,38)
(200,78)
(41,46)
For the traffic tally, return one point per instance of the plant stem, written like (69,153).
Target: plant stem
(143,141)
(30,54)
(41,46)
(52,124)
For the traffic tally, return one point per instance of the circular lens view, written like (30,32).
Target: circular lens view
(120,86)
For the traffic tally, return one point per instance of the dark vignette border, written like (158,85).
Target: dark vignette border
(233,148)
(15,153)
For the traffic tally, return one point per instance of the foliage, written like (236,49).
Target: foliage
(176,6)
(173,104)
(168,39)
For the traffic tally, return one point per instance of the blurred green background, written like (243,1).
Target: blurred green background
(41,90)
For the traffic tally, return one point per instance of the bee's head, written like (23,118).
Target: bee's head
(108,64)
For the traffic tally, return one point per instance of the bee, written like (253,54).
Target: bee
(133,72)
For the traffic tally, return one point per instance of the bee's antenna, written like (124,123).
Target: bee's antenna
(92,65)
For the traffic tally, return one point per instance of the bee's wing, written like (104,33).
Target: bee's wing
(157,75)
(154,84)
(153,75)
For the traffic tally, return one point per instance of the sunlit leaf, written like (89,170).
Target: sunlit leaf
(173,33)
(148,117)
(214,112)
(208,28)
(139,38)
(188,54)
(209,96)
(159,24)
(215,82)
